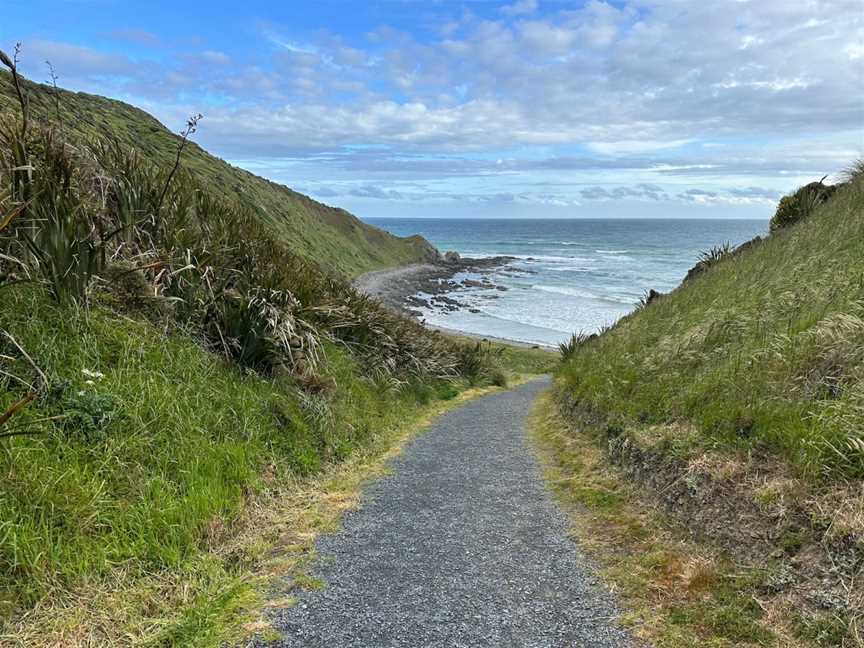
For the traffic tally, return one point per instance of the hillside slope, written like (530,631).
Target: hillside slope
(177,386)
(735,404)
(764,350)
(311,229)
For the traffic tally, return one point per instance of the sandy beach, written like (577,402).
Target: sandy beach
(491,338)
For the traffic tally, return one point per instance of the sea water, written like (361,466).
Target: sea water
(569,275)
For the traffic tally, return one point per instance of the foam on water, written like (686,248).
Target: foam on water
(569,275)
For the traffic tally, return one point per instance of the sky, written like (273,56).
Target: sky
(525,108)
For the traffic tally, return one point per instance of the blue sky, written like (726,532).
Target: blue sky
(489,109)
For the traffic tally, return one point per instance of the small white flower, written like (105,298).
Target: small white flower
(93,374)
(89,382)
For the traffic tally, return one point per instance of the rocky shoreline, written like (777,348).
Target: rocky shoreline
(407,289)
(401,288)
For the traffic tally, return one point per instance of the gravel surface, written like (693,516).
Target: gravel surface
(461,546)
(392,285)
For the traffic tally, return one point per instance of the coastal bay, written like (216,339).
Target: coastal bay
(537,281)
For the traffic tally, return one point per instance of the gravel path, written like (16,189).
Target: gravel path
(460,547)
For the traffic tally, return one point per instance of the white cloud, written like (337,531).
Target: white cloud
(215,58)
(654,89)
(854,51)
(136,36)
(638,78)
(545,39)
(635,146)
(74,60)
(520,7)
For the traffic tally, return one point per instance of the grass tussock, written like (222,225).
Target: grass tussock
(571,346)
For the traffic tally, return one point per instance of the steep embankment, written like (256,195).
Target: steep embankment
(311,229)
(737,403)
(761,350)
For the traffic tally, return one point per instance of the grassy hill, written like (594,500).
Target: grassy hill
(186,397)
(313,230)
(762,351)
(735,403)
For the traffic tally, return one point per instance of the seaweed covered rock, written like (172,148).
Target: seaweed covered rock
(799,205)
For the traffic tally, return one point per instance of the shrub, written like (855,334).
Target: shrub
(854,171)
(649,297)
(498,377)
(799,205)
(715,255)
(86,414)
(59,234)
(446,391)
(480,364)
(50,229)
(471,363)
(711,257)
(261,331)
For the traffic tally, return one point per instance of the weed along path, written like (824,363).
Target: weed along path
(461,545)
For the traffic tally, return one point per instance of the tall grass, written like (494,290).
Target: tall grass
(185,354)
(761,352)
(86,207)
(571,346)
(145,443)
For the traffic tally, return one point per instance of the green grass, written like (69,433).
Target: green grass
(745,384)
(330,236)
(763,351)
(176,363)
(183,394)
(169,443)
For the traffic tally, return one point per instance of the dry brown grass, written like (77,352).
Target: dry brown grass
(677,591)
(842,508)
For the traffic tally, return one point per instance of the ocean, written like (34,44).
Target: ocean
(570,275)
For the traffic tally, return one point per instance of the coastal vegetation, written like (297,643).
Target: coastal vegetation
(314,231)
(175,367)
(761,352)
(734,403)
(676,591)
(191,390)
